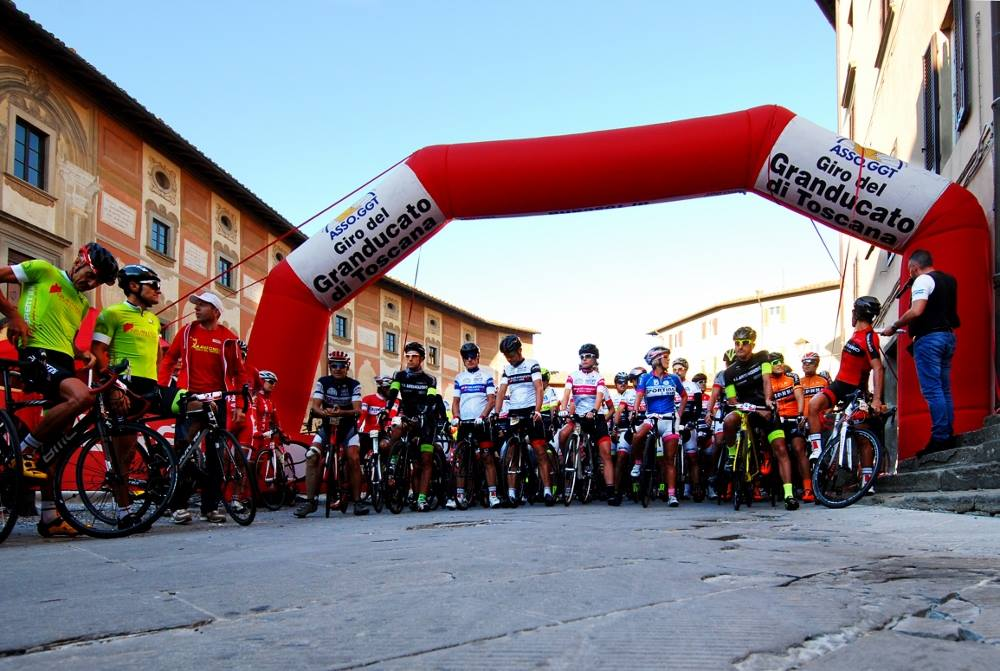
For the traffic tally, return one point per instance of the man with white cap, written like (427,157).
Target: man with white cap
(210,361)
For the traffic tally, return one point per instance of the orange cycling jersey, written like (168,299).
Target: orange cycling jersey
(783,392)
(814,384)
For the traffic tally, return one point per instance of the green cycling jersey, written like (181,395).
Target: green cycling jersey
(130,333)
(50,304)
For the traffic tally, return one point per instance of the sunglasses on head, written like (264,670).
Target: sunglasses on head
(743,341)
(152,283)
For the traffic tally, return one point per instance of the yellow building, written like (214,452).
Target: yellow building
(790,321)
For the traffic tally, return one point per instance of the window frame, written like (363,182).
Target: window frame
(337,321)
(230,272)
(387,336)
(432,356)
(167,251)
(15,116)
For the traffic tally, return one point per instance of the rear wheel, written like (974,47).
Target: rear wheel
(397,483)
(332,479)
(588,471)
(91,477)
(375,484)
(10,475)
(465,466)
(271,479)
(514,470)
(647,482)
(571,469)
(838,480)
(239,487)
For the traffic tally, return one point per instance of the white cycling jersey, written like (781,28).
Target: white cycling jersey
(628,399)
(520,381)
(472,387)
(585,385)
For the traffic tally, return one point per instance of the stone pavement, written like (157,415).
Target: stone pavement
(699,587)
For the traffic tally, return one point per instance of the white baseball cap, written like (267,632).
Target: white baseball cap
(210,298)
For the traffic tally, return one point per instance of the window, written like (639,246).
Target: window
(389,345)
(960,73)
(29,154)
(159,236)
(432,355)
(340,327)
(931,105)
(227,276)
(775,315)
(468,337)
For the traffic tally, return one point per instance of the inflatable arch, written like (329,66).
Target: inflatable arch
(767,150)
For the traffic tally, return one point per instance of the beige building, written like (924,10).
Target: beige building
(916,80)
(790,321)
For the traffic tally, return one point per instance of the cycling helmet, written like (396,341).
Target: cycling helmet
(636,373)
(510,344)
(700,377)
(416,348)
(469,350)
(776,357)
(135,272)
(621,378)
(102,261)
(336,355)
(729,356)
(680,361)
(867,308)
(267,376)
(745,333)
(812,357)
(545,375)
(655,353)
(244,348)
(589,348)
(383,381)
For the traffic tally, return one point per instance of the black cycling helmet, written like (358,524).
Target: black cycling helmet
(510,344)
(680,361)
(621,378)
(729,356)
(469,350)
(589,348)
(700,377)
(102,261)
(135,272)
(415,347)
(776,358)
(745,333)
(867,308)
(545,375)
(636,373)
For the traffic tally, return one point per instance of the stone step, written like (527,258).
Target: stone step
(985,453)
(989,432)
(978,502)
(948,478)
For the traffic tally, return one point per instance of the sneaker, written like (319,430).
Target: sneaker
(728,466)
(791,503)
(57,527)
(494,501)
(615,500)
(550,499)
(451,504)
(698,494)
(765,467)
(808,496)
(213,516)
(422,506)
(636,470)
(30,470)
(181,516)
(687,490)
(306,507)
(759,495)
(360,508)
(814,455)
(672,501)
(712,495)
(129,521)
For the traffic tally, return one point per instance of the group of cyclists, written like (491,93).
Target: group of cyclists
(756,390)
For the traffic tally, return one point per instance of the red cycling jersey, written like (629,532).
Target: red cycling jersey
(856,359)
(372,407)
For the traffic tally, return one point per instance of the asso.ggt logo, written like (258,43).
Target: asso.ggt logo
(869,159)
(354,213)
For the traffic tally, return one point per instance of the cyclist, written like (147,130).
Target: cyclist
(786,389)
(418,398)
(550,403)
(748,380)
(209,361)
(659,390)
(813,382)
(583,398)
(372,409)
(715,411)
(625,414)
(129,330)
(44,325)
(859,357)
(473,400)
(690,416)
(337,397)
(263,420)
(523,378)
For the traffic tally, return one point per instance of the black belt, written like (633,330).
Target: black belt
(939,329)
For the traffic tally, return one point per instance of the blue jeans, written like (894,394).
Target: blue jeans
(932,355)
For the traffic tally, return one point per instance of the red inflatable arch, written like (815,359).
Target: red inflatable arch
(768,150)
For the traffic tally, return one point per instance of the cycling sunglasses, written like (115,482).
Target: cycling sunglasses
(338,365)
(152,283)
(470,357)
(743,341)
(587,356)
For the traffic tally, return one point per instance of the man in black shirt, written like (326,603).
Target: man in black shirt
(931,321)
(418,398)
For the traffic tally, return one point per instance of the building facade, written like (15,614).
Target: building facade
(916,80)
(790,321)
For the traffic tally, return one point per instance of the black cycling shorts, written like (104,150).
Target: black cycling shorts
(480,433)
(838,390)
(161,399)
(45,378)
(535,430)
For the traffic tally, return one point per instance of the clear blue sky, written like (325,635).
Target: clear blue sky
(304,101)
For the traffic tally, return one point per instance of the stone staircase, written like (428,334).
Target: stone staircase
(965,479)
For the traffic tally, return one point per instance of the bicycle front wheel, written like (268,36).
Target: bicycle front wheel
(114,486)
(571,468)
(271,479)
(838,477)
(10,474)
(239,487)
